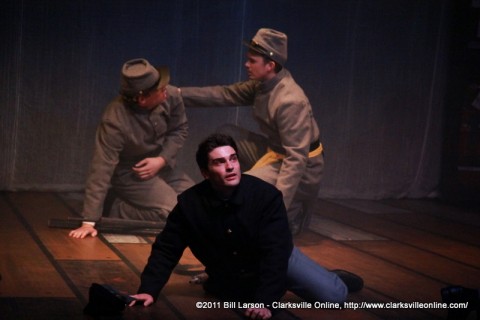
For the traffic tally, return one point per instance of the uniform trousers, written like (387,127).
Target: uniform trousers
(153,199)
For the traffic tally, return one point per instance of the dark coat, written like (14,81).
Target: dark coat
(244,242)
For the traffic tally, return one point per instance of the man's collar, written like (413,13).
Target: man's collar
(216,200)
(270,84)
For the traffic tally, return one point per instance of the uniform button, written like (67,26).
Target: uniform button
(234,253)
(229,231)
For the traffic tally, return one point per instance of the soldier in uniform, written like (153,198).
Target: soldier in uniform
(288,153)
(136,145)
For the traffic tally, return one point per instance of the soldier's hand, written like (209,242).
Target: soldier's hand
(149,167)
(83,231)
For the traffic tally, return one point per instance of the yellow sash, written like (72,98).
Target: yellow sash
(272,157)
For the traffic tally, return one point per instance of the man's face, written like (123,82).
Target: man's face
(257,68)
(223,169)
(153,98)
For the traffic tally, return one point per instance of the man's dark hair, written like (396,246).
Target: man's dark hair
(211,142)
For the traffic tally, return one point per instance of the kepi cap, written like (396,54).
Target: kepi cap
(270,43)
(139,76)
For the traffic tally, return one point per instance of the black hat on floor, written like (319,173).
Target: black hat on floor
(104,300)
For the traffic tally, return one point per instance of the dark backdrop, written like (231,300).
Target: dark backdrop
(374,70)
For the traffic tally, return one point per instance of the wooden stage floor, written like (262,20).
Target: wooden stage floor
(405,250)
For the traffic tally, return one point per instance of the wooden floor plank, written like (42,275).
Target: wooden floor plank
(136,253)
(40,308)
(434,219)
(37,208)
(114,273)
(393,281)
(25,270)
(438,209)
(369,206)
(464,253)
(339,231)
(428,264)
(437,225)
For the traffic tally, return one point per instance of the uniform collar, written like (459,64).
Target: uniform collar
(157,109)
(270,84)
(139,110)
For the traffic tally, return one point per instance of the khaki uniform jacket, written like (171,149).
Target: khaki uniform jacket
(284,115)
(127,135)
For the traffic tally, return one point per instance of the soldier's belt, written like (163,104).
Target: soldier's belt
(272,156)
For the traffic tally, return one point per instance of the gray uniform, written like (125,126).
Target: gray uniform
(125,136)
(284,115)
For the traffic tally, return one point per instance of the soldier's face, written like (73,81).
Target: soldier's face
(257,68)
(153,98)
